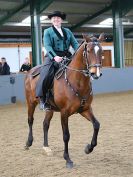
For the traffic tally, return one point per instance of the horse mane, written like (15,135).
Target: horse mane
(77,48)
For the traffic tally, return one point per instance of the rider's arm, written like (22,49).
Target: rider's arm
(48,44)
(74,43)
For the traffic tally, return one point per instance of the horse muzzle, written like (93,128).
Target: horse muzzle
(95,76)
(95,73)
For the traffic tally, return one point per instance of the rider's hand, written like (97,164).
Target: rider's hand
(57,59)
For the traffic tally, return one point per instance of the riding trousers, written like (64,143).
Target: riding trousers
(46,78)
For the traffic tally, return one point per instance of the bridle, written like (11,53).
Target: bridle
(86,52)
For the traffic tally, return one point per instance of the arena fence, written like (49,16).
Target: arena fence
(112,80)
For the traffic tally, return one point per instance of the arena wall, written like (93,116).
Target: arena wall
(112,80)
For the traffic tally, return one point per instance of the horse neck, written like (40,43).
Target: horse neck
(77,60)
(78,79)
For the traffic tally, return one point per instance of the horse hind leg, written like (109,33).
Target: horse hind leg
(31,109)
(96,125)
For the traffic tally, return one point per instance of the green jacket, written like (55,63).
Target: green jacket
(53,41)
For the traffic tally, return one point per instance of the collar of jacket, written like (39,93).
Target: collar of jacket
(59,35)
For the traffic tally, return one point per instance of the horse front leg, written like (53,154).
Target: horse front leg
(66,137)
(96,125)
(46,124)
(31,109)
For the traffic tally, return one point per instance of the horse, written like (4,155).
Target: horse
(72,94)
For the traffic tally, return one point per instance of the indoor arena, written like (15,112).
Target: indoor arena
(66,89)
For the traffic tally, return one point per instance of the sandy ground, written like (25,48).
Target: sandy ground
(113,157)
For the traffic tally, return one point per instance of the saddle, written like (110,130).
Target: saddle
(59,72)
(36,71)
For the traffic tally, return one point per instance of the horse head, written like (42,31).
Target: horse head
(92,53)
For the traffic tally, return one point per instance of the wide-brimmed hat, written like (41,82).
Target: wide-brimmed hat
(58,14)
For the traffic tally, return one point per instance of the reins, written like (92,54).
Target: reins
(83,71)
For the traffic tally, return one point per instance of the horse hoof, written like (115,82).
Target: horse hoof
(29,143)
(48,151)
(88,149)
(26,148)
(69,165)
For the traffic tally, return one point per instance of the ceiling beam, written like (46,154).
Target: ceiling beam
(41,5)
(125,6)
(14,33)
(44,4)
(81,2)
(12,1)
(91,17)
(16,10)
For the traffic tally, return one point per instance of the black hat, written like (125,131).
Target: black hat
(58,14)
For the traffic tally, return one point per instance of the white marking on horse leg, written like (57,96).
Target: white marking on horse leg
(47,150)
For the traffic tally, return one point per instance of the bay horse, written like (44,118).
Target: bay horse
(72,94)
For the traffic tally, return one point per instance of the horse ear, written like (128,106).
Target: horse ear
(86,38)
(101,37)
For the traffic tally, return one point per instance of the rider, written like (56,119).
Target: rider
(57,41)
